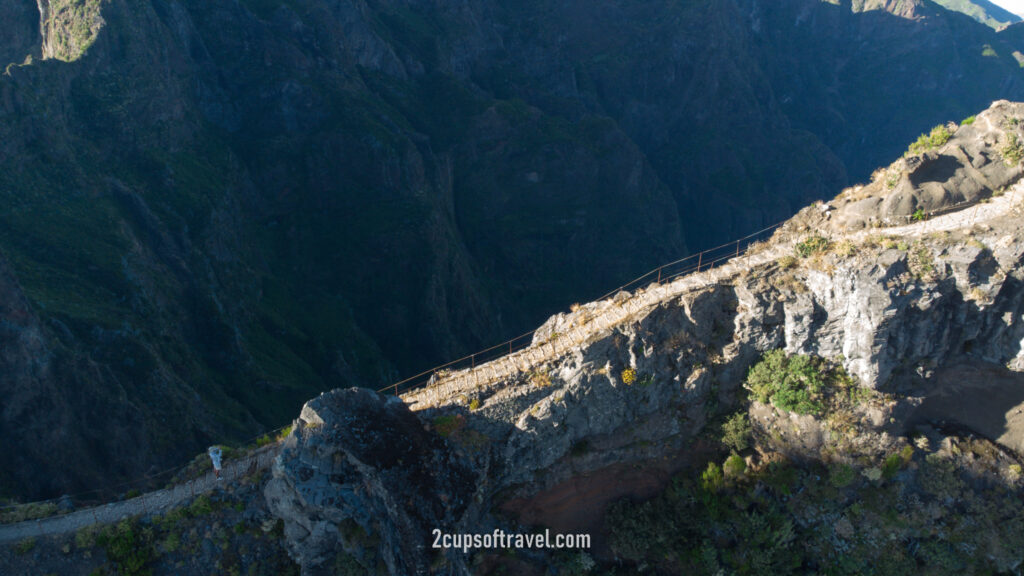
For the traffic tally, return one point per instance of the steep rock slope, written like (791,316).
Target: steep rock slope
(898,307)
(218,210)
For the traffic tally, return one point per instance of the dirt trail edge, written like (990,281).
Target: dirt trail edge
(148,503)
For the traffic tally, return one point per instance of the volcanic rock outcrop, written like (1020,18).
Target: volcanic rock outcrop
(360,468)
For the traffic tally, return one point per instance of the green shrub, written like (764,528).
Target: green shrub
(449,424)
(25,546)
(892,179)
(1013,151)
(474,404)
(939,136)
(689,530)
(22,512)
(85,537)
(712,479)
(792,383)
(812,245)
(988,52)
(266,439)
(921,262)
(968,121)
(540,379)
(841,475)
(734,466)
(892,465)
(940,477)
(172,542)
(736,432)
(129,548)
(918,215)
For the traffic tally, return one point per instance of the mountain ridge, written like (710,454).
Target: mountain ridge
(216,209)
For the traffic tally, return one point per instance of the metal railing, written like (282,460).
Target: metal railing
(699,262)
(695,263)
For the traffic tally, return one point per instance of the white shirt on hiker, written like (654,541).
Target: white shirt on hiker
(215,454)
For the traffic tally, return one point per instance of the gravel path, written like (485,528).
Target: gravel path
(959,220)
(148,503)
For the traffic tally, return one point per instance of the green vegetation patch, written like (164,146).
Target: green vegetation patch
(921,262)
(736,432)
(449,424)
(785,518)
(803,384)
(694,528)
(129,547)
(811,245)
(1013,150)
(793,383)
(22,512)
(938,136)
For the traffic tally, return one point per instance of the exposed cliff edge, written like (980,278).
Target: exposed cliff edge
(927,283)
(364,469)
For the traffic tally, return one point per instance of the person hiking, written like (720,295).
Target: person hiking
(215,454)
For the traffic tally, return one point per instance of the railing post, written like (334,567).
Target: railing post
(737,248)
(472,360)
(700,258)
(659,275)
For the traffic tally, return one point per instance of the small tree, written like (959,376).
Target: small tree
(712,479)
(736,432)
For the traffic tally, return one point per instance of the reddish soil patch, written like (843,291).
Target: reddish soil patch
(578,505)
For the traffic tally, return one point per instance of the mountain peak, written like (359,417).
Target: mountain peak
(983,11)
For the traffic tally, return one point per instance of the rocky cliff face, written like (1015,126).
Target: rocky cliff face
(217,209)
(363,469)
(896,305)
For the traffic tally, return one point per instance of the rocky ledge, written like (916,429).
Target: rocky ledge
(361,477)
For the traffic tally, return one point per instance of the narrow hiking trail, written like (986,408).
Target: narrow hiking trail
(149,503)
(592,324)
(589,324)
